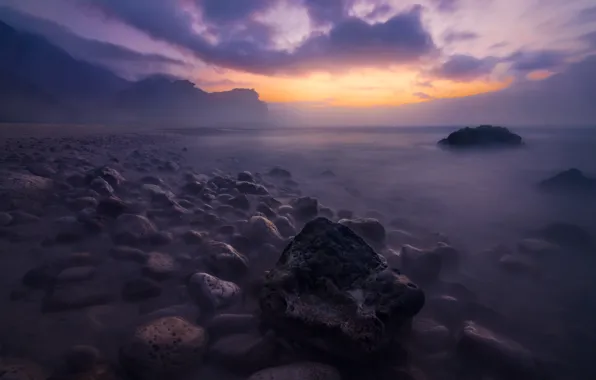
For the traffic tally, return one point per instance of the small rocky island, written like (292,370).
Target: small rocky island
(571,180)
(482,136)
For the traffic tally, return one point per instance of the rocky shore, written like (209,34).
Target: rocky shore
(121,260)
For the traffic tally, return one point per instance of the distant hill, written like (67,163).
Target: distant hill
(40,82)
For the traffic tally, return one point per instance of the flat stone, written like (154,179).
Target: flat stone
(223,260)
(5,219)
(244,353)
(75,274)
(211,292)
(140,289)
(125,253)
(76,296)
(160,266)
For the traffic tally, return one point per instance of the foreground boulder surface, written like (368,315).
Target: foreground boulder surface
(332,292)
(24,191)
(482,136)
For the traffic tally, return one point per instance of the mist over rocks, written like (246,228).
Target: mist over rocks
(483,136)
(572,181)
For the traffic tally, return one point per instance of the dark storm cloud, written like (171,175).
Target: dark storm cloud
(455,36)
(350,41)
(89,50)
(464,68)
(527,61)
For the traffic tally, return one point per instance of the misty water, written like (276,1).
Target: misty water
(478,200)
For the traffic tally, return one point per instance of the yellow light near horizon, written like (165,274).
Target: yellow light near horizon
(357,88)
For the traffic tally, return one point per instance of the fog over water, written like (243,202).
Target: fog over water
(483,202)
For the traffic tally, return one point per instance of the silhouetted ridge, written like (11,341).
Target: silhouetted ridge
(484,135)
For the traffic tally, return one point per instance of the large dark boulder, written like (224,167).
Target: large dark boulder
(571,180)
(331,292)
(482,136)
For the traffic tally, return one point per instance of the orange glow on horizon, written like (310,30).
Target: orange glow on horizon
(361,88)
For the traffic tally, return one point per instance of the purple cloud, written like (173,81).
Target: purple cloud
(225,11)
(423,96)
(446,6)
(326,11)
(526,61)
(455,36)
(464,68)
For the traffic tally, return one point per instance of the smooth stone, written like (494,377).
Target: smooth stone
(160,266)
(537,247)
(298,371)
(304,208)
(75,274)
(140,289)
(430,335)
(284,226)
(211,292)
(112,207)
(132,229)
(261,230)
(240,202)
(516,264)
(369,229)
(227,324)
(223,260)
(164,348)
(265,210)
(125,253)
(5,219)
(423,266)
(194,237)
(245,177)
(279,172)
(244,353)
(76,296)
(102,187)
(345,214)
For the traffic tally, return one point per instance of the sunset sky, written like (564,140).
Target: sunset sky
(352,53)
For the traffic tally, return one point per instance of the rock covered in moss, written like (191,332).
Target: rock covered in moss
(331,291)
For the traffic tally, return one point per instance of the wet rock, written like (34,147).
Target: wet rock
(223,260)
(298,371)
(158,195)
(194,237)
(161,238)
(447,309)
(305,208)
(244,353)
(69,229)
(227,324)
(224,198)
(571,180)
(265,210)
(240,202)
(193,187)
(171,166)
(5,219)
(211,293)
(226,230)
(251,188)
(76,296)
(245,177)
(40,277)
(284,226)
(326,212)
(83,203)
(423,266)
(240,242)
(290,183)
(140,289)
(516,264)
(482,136)
(567,234)
(285,210)
(75,274)
(537,247)
(369,229)
(108,174)
(42,170)
(76,179)
(261,230)
(152,180)
(328,267)
(163,349)
(495,351)
(345,214)
(160,266)
(270,201)
(79,359)
(125,253)
(279,173)
(112,207)
(430,335)
(21,369)
(131,229)
(398,238)
(102,187)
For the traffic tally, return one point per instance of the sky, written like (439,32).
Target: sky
(344,54)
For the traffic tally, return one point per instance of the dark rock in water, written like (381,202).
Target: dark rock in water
(24,192)
(567,234)
(240,202)
(279,173)
(572,180)
(223,260)
(102,187)
(422,266)
(304,208)
(244,353)
(245,177)
(110,175)
(368,228)
(42,170)
(194,237)
(265,210)
(161,238)
(76,296)
(131,229)
(495,351)
(332,292)
(430,335)
(125,253)
(284,226)
(140,289)
(298,371)
(75,274)
(251,188)
(160,266)
(165,348)
(228,324)
(482,136)
(211,293)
